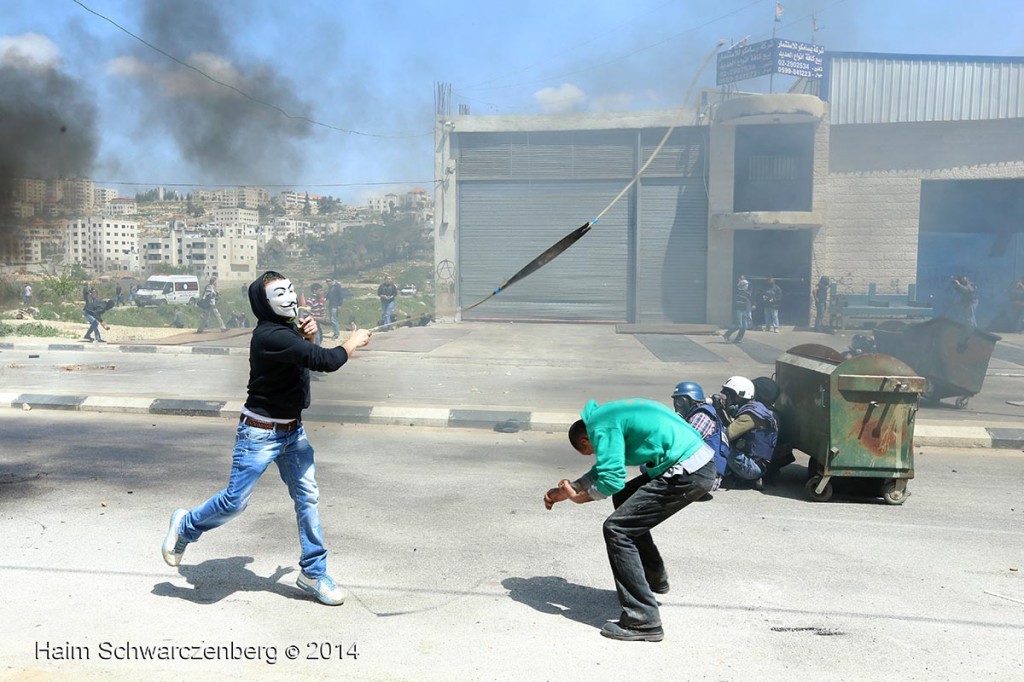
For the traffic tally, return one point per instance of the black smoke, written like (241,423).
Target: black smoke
(226,136)
(47,128)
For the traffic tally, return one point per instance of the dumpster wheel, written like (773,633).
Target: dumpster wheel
(811,488)
(895,491)
(961,402)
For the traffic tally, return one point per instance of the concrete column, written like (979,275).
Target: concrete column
(446,275)
(721,177)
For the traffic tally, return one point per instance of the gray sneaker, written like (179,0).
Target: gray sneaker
(174,547)
(322,588)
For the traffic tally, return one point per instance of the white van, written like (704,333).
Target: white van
(168,289)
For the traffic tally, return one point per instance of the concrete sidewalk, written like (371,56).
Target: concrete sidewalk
(502,376)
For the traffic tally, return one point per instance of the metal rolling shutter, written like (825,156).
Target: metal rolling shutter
(504,225)
(672,250)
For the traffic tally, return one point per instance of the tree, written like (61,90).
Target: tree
(306,208)
(67,283)
(272,254)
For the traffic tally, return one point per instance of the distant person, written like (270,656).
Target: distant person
(741,306)
(119,294)
(179,319)
(26,296)
(676,468)
(387,293)
(821,302)
(93,311)
(965,301)
(335,300)
(208,304)
(318,309)
(1016,294)
(131,294)
(281,355)
(770,300)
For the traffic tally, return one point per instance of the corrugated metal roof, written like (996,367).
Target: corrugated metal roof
(883,88)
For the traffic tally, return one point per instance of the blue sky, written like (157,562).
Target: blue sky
(370,67)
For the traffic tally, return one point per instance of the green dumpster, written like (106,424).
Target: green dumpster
(853,417)
(952,356)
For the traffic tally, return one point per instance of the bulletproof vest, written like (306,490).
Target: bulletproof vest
(759,442)
(717,440)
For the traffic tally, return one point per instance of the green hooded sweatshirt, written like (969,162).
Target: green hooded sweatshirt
(633,432)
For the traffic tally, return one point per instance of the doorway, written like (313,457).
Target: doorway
(783,255)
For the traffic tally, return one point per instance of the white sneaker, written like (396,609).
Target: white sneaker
(174,547)
(323,589)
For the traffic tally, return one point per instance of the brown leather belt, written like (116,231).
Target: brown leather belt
(270,426)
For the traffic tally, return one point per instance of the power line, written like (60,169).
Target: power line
(242,92)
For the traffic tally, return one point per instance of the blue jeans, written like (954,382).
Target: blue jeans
(771,318)
(636,563)
(255,449)
(740,328)
(335,313)
(743,467)
(94,327)
(387,312)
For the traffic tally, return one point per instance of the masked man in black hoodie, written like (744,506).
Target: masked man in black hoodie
(281,355)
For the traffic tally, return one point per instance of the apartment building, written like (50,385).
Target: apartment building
(229,258)
(122,206)
(102,196)
(102,243)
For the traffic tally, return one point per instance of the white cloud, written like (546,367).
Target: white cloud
(129,67)
(619,101)
(29,51)
(564,98)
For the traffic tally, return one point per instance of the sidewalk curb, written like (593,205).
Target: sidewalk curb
(503,420)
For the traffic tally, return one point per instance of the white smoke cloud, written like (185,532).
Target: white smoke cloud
(619,101)
(129,67)
(566,97)
(29,51)
(181,82)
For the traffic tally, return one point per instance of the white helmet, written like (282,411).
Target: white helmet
(741,386)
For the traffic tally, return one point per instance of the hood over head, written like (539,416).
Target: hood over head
(259,303)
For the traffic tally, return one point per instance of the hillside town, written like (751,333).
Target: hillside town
(222,232)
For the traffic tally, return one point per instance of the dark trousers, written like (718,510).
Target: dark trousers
(634,558)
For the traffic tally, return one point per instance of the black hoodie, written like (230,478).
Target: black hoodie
(280,360)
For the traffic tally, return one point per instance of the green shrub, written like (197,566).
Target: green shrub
(28,329)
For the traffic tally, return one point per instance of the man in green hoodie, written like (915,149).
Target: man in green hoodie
(676,468)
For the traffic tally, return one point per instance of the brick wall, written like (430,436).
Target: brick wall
(873,191)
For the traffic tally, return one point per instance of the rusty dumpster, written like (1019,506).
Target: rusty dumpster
(853,417)
(952,356)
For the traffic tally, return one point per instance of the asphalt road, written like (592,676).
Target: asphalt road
(473,371)
(456,571)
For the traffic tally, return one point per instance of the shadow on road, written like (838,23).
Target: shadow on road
(553,595)
(217,579)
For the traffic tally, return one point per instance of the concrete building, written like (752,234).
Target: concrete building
(893,170)
(122,206)
(102,196)
(235,216)
(102,244)
(229,258)
(296,202)
(77,194)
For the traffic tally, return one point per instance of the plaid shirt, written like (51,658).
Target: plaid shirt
(704,424)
